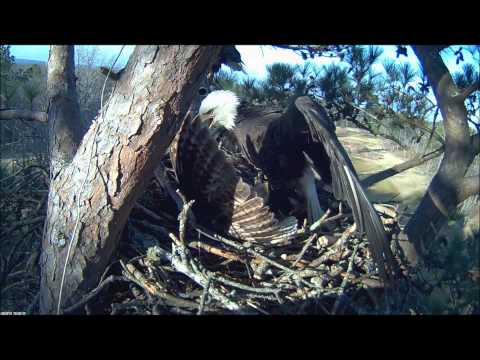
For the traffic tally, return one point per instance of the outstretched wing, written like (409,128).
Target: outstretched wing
(222,199)
(345,183)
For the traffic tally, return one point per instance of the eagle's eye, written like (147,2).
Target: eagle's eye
(202,91)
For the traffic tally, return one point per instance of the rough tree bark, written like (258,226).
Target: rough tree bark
(92,195)
(447,188)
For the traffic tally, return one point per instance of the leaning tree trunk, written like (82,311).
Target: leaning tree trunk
(95,184)
(449,187)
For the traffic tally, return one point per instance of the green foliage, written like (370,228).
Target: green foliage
(30,80)
(280,75)
(334,82)
(33,83)
(361,59)
(6,61)
(282,82)
(392,70)
(465,78)
(390,95)
(448,272)
(226,80)
(250,89)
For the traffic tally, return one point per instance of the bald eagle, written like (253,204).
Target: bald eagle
(223,201)
(292,148)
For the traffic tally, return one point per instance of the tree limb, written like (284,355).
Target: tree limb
(448,185)
(11,114)
(318,50)
(469,187)
(397,169)
(469,90)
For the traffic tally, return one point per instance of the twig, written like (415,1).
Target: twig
(249,303)
(204,296)
(254,253)
(320,221)
(182,262)
(94,293)
(132,273)
(216,251)
(42,170)
(245,287)
(21,223)
(346,234)
(345,280)
(9,114)
(34,302)
(154,289)
(434,124)
(304,249)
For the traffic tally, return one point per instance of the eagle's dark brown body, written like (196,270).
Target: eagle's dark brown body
(275,142)
(284,144)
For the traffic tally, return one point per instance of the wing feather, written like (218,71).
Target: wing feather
(345,183)
(221,197)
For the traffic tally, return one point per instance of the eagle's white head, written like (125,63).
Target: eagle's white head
(222,104)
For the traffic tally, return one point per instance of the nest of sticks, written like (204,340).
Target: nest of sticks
(169,264)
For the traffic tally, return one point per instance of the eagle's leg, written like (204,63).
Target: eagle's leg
(309,190)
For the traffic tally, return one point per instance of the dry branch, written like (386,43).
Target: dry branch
(216,251)
(21,223)
(94,293)
(397,169)
(183,262)
(10,114)
(345,280)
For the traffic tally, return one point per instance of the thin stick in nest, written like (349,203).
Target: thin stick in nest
(216,251)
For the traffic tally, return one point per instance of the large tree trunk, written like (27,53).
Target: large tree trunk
(91,196)
(447,189)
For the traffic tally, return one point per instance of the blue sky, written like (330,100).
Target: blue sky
(255,57)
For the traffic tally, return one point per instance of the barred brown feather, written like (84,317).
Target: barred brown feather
(222,199)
